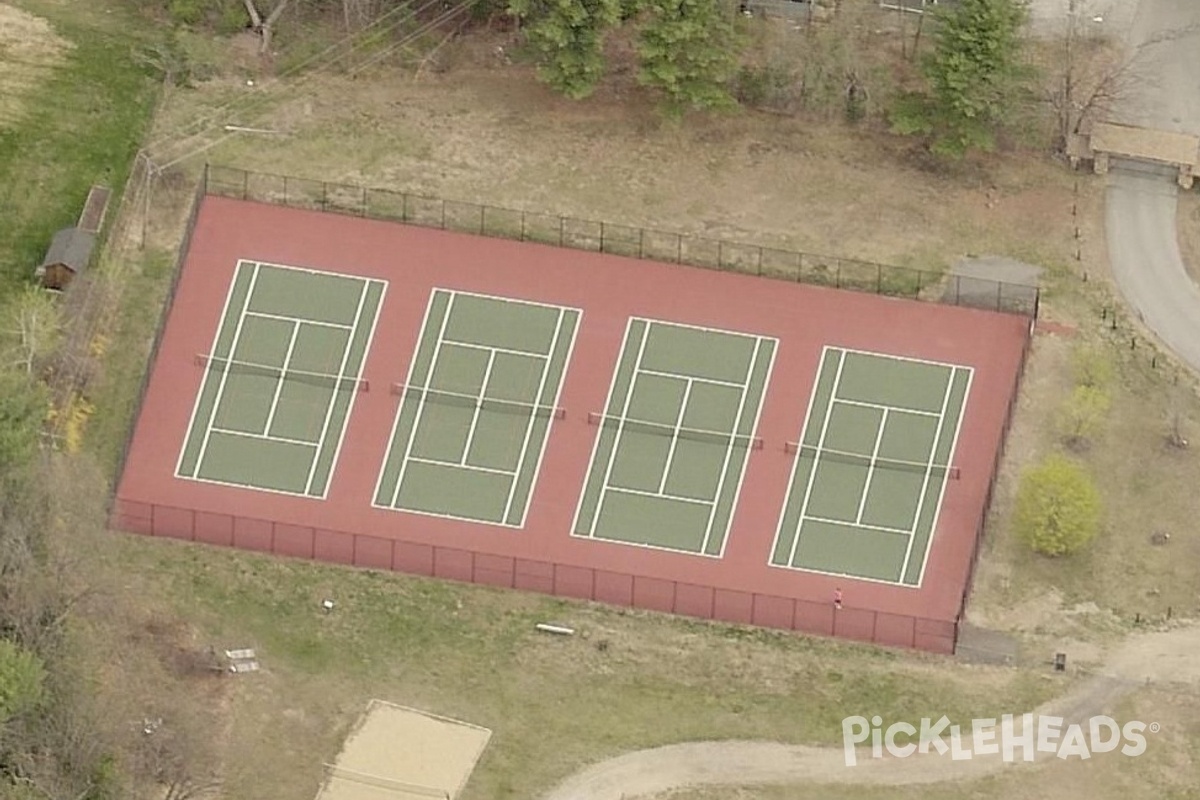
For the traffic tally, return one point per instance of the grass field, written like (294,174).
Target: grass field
(79,124)
(554,704)
(491,134)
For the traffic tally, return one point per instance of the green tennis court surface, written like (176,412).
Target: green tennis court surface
(280,379)
(871,466)
(674,438)
(476,411)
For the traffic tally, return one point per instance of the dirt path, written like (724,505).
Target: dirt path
(1165,657)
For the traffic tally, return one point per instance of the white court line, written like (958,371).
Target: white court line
(812,397)
(234,362)
(900,358)
(884,528)
(362,365)
(282,318)
(487,376)
(519,301)
(287,357)
(237,333)
(529,424)
(679,376)
(507,350)
(727,332)
(812,475)
(659,496)
(204,383)
(412,364)
(928,472)
(608,398)
(562,379)
(737,419)
(264,437)
(862,503)
(456,465)
(612,457)
(879,407)
(421,404)
(962,412)
(687,392)
(312,468)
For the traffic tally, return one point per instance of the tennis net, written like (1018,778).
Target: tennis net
(320,379)
(861,460)
(462,400)
(718,438)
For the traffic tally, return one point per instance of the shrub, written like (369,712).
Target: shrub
(1081,415)
(21,680)
(1058,507)
(1091,366)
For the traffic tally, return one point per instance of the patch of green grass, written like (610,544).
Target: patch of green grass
(554,704)
(82,126)
(115,394)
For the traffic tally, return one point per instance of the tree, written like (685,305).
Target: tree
(689,52)
(21,680)
(22,411)
(972,74)
(1082,414)
(1089,74)
(264,25)
(1057,508)
(34,332)
(568,36)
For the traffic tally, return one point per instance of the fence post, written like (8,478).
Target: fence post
(920,274)
(999,295)
(365,202)
(245,184)
(404,206)
(641,242)
(522,239)
(879,279)
(324,196)
(562,225)
(482,220)
(758,266)
(443,215)
(837,279)
(720,254)
(679,248)
(601,237)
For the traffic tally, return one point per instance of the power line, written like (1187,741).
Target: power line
(447,15)
(314,64)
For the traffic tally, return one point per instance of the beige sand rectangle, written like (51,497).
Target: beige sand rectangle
(398,753)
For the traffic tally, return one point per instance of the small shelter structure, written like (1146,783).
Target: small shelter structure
(70,250)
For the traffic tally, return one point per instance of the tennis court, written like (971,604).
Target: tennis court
(871,465)
(476,410)
(280,379)
(674,437)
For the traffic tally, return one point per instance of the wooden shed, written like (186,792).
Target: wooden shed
(71,248)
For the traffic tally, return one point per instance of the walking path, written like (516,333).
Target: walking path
(1161,658)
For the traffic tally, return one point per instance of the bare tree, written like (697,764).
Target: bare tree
(263,25)
(35,331)
(1092,72)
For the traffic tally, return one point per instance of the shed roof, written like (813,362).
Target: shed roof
(70,247)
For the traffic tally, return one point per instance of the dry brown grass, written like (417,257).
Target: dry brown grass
(29,50)
(1166,769)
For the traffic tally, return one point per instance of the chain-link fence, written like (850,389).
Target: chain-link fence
(625,240)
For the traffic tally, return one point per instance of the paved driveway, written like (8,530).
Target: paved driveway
(1141,205)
